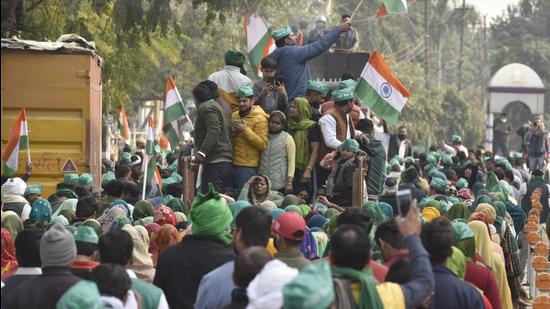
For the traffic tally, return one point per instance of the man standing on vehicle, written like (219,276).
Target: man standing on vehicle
(292,59)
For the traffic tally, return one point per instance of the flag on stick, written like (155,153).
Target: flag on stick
(381,90)
(258,39)
(151,174)
(17,140)
(392,7)
(174,109)
(123,124)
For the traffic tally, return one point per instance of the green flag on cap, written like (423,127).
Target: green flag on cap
(317,86)
(244,91)
(281,33)
(342,95)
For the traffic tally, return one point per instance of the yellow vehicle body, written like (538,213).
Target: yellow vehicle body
(61,92)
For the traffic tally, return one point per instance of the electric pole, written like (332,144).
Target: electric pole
(461,60)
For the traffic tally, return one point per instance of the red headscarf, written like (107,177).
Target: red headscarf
(9,261)
(164,215)
(152,229)
(480,216)
(167,236)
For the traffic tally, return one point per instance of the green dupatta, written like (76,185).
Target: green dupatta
(301,132)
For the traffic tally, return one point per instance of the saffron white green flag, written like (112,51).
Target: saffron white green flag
(258,40)
(150,142)
(149,163)
(174,109)
(381,90)
(17,140)
(392,7)
(123,124)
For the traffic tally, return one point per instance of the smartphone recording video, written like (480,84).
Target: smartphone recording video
(404,200)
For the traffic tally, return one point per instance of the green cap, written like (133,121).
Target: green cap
(456,138)
(439,184)
(461,184)
(447,160)
(342,95)
(107,177)
(409,160)
(85,180)
(317,86)
(233,57)
(517,155)
(126,159)
(70,179)
(281,33)
(33,189)
(244,92)
(84,294)
(349,145)
(348,83)
(462,229)
(434,173)
(86,234)
(312,288)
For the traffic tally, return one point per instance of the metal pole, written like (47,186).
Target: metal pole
(461,47)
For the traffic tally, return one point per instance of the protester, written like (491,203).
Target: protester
(501,131)
(399,144)
(316,94)
(340,181)
(213,148)
(12,199)
(86,246)
(250,131)
(114,285)
(270,94)
(33,192)
(57,252)
(231,77)
(278,160)
(292,59)
(350,39)
(253,228)
(538,147)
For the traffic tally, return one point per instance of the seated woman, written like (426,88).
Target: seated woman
(258,189)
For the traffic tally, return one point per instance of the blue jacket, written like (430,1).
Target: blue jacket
(453,293)
(292,62)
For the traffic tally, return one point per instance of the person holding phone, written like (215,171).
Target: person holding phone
(270,91)
(538,148)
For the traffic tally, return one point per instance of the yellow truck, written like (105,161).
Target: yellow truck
(59,85)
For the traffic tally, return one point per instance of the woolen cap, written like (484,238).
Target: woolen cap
(57,247)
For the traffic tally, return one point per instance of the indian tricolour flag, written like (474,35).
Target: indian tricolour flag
(149,163)
(123,121)
(150,141)
(18,140)
(258,39)
(392,7)
(174,109)
(381,90)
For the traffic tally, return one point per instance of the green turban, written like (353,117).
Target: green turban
(107,177)
(343,95)
(235,58)
(210,216)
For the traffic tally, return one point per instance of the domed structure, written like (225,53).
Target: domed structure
(516,75)
(518,91)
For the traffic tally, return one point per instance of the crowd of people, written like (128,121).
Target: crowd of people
(273,223)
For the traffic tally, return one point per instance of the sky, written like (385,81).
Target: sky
(491,8)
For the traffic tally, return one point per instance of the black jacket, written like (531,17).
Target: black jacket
(42,292)
(180,268)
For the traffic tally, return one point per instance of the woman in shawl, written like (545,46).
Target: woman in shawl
(164,215)
(307,137)
(483,247)
(67,204)
(458,211)
(107,220)
(142,209)
(12,222)
(166,236)
(142,264)
(9,262)
(152,230)
(258,190)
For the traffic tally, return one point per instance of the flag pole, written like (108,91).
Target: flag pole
(145,164)
(356,9)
